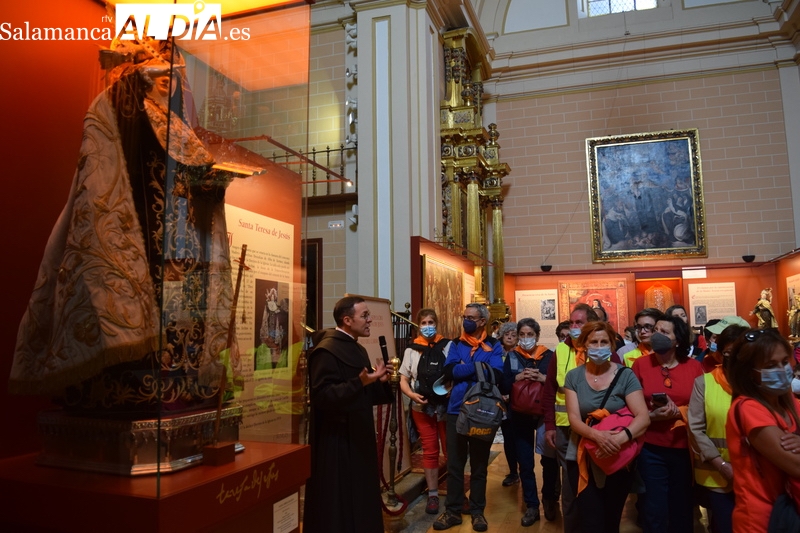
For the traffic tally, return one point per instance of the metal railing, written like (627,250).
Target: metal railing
(403,328)
(318,183)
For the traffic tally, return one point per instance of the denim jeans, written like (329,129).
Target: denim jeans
(525,439)
(720,508)
(509,444)
(667,503)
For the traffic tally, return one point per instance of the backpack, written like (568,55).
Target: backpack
(482,409)
(430,368)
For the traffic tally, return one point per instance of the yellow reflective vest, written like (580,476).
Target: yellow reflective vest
(630,357)
(717,404)
(565,361)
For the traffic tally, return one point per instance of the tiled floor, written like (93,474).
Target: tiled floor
(504,508)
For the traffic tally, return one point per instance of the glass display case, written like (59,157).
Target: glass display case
(166,321)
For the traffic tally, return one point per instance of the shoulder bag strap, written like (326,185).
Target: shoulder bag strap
(479,370)
(610,388)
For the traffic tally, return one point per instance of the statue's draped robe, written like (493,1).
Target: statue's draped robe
(135,283)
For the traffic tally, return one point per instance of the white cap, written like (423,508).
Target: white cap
(441,387)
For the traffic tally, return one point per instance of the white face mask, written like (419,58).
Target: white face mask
(796,386)
(527,343)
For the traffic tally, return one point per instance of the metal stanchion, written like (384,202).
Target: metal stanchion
(394,380)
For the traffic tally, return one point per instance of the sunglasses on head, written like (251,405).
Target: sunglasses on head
(751,336)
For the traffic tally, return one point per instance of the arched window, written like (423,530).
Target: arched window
(596,8)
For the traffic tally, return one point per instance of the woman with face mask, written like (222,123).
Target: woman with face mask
(601,497)
(507,333)
(796,381)
(667,376)
(708,412)
(766,413)
(529,361)
(428,411)
(696,342)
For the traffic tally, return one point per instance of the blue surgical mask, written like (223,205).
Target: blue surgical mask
(777,381)
(428,331)
(713,347)
(574,332)
(528,343)
(470,326)
(599,355)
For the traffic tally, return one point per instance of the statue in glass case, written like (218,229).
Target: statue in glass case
(131,306)
(794,316)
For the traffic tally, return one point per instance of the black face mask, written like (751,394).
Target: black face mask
(660,343)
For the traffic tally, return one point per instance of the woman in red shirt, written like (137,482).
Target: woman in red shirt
(766,413)
(667,376)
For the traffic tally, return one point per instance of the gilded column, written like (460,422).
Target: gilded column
(498,257)
(454,215)
(474,231)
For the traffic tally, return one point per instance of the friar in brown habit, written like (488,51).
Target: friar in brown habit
(343,493)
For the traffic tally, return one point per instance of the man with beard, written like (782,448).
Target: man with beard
(343,492)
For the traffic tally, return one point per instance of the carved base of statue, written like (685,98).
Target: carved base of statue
(133,447)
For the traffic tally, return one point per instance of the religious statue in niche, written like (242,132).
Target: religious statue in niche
(131,308)
(794,316)
(763,310)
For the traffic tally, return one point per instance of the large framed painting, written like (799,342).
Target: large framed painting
(608,297)
(646,196)
(443,292)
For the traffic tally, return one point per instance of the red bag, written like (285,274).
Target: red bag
(613,463)
(526,397)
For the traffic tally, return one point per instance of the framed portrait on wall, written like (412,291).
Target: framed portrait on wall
(607,297)
(646,196)
(443,292)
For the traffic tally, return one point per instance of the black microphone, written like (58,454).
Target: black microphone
(384,350)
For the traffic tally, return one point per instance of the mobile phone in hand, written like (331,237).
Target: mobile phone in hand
(659,399)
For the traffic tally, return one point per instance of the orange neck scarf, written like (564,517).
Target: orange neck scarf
(722,379)
(422,341)
(583,461)
(536,355)
(580,356)
(475,342)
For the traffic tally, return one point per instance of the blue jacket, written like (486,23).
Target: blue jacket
(460,368)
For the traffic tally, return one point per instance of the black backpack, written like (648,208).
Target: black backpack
(429,369)
(483,408)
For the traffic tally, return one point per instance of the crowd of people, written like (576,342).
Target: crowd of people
(672,419)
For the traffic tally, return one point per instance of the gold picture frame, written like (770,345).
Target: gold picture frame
(607,296)
(443,292)
(646,196)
